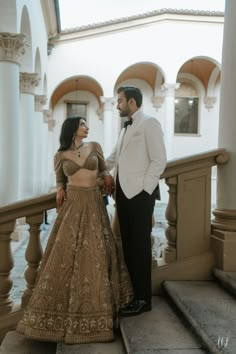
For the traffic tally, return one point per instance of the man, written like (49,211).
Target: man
(138,159)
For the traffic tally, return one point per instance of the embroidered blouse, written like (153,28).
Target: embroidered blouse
(65,167)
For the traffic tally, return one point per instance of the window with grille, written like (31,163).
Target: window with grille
(186,115)
(186,110)
(76,108)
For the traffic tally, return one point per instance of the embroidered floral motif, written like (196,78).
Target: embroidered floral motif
(82,281)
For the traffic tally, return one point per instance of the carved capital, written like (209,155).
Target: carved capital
(209,102)
(157,101)
(47,114)
(170,89)
(39,102)
(12,45)
(108,102)
(28,82)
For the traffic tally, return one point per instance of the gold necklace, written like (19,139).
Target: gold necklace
(76,150)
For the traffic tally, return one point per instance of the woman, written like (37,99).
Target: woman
(82,282)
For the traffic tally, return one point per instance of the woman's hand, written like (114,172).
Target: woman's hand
(61,196)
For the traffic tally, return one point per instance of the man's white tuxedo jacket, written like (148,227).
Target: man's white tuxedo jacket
(139,156)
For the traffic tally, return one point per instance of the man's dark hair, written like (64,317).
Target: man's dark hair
(132,92)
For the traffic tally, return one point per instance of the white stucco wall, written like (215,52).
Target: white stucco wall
(105,57)
(167,44)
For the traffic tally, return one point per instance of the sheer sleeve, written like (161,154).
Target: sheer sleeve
(61,178)
(102,169)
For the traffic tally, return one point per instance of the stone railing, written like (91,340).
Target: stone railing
(33,211)
(188,211)
(188,225)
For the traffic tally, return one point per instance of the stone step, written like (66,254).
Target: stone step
(210,311)
(158,331)
(14,343)
(226,279)
(115,347)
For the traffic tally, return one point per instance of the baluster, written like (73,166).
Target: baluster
(33,254)
(6,265)
(171,217)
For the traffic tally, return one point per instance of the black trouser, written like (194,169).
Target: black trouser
(135,219)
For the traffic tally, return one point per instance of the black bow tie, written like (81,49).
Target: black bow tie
(128,122)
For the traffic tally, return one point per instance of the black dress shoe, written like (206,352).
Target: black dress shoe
(136,307)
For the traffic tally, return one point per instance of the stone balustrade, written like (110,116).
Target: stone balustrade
(188,230)
(33,211)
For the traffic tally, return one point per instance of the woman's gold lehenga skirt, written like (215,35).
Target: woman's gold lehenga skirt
(82,280)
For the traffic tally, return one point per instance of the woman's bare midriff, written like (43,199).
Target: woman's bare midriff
(83,178)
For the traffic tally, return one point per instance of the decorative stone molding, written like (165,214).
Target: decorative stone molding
(109,103)
(28,82)
(50,17)
(170,89)
(146,15)
(48,119)
(100,112)
(51,124)
(47,115)
(186,89)
(209,102)
(12,45)
(39,102)
(222,158)
(157,101)
(224,219)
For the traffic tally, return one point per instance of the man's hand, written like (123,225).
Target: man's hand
(109,185)
(61,196)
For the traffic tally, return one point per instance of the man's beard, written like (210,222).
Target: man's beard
(125,112)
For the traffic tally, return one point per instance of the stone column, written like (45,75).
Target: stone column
(39,101)
(169,118)
(45,153)
(50,175)
(224,224)
(28,82)
(108,109)
(158,101)
(11,47)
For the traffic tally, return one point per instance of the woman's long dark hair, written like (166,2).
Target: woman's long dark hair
(68,130)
